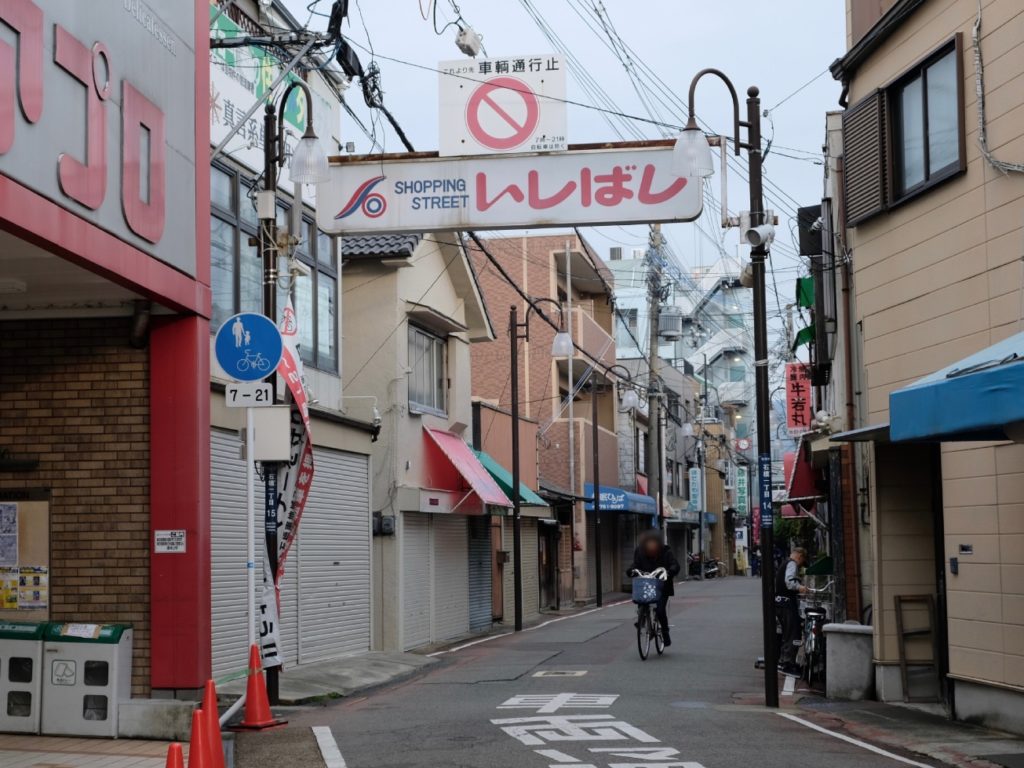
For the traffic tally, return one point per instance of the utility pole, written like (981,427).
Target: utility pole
(268,253)
(654,466)
(758,255)
(702,464)
(517,535)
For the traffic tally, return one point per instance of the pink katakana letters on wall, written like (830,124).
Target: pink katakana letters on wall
(21,72)
(86,182)
(143,208)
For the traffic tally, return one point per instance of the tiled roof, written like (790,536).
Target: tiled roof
(378,246)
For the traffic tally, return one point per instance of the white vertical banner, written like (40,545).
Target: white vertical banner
(294,479)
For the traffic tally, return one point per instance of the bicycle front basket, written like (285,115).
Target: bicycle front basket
(646,591)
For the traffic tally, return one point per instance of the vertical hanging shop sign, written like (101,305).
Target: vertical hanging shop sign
(798,397)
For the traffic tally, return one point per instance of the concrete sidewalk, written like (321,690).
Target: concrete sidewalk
(907,728)
(56,752)
(338,678)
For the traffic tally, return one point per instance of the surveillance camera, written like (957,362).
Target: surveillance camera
(761,235)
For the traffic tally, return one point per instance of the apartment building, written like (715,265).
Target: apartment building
(570,284)
(931,222)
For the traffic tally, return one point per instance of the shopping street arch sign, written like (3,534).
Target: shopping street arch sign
(629,183)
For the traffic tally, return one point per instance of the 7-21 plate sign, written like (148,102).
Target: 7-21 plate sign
(618,185)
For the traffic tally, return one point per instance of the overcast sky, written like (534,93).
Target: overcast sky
(778,46)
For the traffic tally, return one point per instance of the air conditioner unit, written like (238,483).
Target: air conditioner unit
(615,253)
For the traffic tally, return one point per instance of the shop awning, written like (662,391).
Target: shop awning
(620,500)
(503,478)
(469,467)
(977,398)
(802,494)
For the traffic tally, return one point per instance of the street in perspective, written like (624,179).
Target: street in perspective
(581,384)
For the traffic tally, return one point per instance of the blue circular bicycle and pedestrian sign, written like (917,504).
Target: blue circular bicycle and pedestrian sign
(248,347)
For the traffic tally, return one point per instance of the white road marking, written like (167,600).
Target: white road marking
(560,673)
(328,747)
(489,638)
(851,740)
(548,704)
(789,687)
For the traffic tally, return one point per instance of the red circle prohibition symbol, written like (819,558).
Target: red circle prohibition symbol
(482,98)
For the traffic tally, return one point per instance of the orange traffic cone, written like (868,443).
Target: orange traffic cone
(257,706)
(199,744)
(175,758)
(212,717)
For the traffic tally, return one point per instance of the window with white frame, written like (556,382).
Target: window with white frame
(428,377)
(626,327)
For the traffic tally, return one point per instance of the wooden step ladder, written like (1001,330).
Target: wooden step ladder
(902,633)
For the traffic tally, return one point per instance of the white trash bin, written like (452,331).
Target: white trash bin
(21,650)
(88,673)
(849,672)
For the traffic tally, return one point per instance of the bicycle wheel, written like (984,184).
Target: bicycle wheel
(643,632)
(243,365)
(659,638)
(262,364)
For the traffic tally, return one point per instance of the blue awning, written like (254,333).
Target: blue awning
(619,500)
(973,399)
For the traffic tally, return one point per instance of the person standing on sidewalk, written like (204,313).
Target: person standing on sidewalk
(788,589)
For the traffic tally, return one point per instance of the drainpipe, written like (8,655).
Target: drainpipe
(138,336)
(850,471)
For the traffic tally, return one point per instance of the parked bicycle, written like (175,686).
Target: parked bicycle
(816,615)
(647,588)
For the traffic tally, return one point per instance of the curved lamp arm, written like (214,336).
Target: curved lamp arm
(309,133)
(532,307)
(691,122)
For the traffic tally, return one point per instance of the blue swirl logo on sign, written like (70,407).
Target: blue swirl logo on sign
(248,347)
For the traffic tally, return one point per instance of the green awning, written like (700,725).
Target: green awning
(504,479)
(805,292)
(803,336)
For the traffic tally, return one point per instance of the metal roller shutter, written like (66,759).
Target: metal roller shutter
(417,583)
(227,554)
(479,573)
(609,552)
(531,570)
(333,556)
(627,545)
(451,577)
(324,590)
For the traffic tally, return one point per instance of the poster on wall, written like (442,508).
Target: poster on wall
(8,534)
(9,589)
(33,587)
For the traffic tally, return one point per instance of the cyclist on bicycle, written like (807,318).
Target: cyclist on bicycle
(650,555)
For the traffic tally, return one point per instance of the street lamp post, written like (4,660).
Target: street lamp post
(692,158)
(308,166)
(630,399)
(562,346)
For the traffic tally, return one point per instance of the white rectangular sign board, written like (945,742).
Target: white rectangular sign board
(628,185)
(499,105)
(248,394)
(169,541)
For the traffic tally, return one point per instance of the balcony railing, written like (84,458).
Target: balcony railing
(590,336)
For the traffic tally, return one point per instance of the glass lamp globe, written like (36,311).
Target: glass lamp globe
(630,400)
(562,345)
(309,161)
(691,157)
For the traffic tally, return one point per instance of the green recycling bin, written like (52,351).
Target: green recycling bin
(87,674)
(21,650)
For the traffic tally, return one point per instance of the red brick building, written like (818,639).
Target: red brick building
(565,269)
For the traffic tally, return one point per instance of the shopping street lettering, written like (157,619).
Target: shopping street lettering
(551,733)
(507,191)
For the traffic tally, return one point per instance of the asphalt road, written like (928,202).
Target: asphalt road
(499,703)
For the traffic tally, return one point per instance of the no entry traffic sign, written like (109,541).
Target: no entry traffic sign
(508,104)
(502,113)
